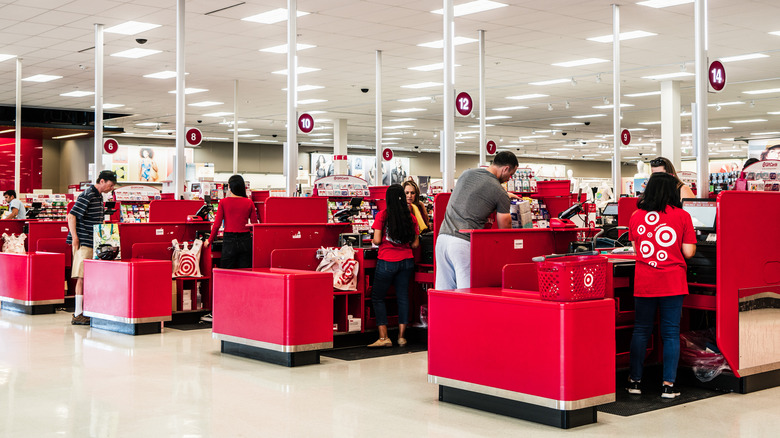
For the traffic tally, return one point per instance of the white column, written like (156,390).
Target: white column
(340,145)
(670,122)
(235,126)
(18,133)
(178,175)
(378,174)
(482,99)
(291,148)
(448,174)
(99,49)
(616,161)
(701,137)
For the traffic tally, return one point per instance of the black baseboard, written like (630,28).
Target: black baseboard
(517,409)
(35,309)
(728,382)
(275,357)
(147,328)
(416,335)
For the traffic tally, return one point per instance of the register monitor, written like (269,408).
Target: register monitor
(611,209)
(703,212)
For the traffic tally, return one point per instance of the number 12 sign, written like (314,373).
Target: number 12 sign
(463,103)
(717,74)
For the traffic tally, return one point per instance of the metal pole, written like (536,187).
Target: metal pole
(702,66)
(291,151)
(378,174)
(482,98)
(235,126)
(18,133)
(617,188)
(448,175)
(178,176)
(98,98)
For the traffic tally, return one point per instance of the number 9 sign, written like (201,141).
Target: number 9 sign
(194,136)
(463,103)
(306,123)
(625,137)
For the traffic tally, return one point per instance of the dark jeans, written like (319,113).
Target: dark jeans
(236,251)
(670,310)
(397,274)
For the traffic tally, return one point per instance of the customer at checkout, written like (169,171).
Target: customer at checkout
(235,211)
(412,193)
(662,164)
(477,194)
(663,237)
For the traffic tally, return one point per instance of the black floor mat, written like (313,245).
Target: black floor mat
(193,326)
(358,353)
(627,404)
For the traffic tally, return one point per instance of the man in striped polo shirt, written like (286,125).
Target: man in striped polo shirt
(86,212)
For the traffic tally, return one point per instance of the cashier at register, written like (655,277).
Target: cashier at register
(15,207)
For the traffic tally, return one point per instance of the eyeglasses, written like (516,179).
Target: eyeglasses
(658,162)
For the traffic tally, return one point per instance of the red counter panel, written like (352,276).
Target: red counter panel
(33,278)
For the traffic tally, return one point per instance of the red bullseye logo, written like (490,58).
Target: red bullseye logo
(665,236)
(641,229)
(588,280)
(662,256)
(653,264)
(646,249)
(652,218)
(187,265)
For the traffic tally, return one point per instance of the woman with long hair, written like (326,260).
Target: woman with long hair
(663,237)
(236,211)
(412,193)
(662,164)
(396,233)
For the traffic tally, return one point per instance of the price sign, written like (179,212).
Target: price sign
(110,145)
(463,103)
(717,76)
(387,154)
(491,147)
(625,137)
(194,136)
(306,123)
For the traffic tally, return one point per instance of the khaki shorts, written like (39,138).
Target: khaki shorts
(77,269)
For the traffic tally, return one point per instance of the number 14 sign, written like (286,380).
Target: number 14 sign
(717,76)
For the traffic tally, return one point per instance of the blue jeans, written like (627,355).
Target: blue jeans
(397,274)
(670,310)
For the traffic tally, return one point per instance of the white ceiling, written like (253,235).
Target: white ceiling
(523,40)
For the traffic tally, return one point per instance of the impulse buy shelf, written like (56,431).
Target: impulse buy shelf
(340,189)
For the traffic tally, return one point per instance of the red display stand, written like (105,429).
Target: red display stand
(285,210)
(543,361)
(173,210)
(130,296)
(281,316)
(32,283)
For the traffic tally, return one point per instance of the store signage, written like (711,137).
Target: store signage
(339,158)
(194,136)
(110,145)
(717,75)
(306,123)
(491,147)
(387,154)
(518,243)
(625,137)
(464,104)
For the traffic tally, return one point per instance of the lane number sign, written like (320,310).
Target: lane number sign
(194,136)
(491,147)
(463,103)
(717,74)
(110,145)
(305,123)
(387,154)
(625,137)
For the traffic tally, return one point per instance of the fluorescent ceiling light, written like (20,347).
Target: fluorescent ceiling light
(70,135)
(497,117)
(136,53)
(622,105)
(774,113)
(167,74)
(311,113)
(535,136)
(715,128)
(422,85)
(7,131)
(391,138)
(430,67)
(764,91)
(306,88)
(147,124)
(389,143)
(240,129)
(398,127)
(218,114)
(266,141)
(206,103)
(488,125)
(164,131)
(414,99)
(551,82)
(526,96)
(299,70)
(743,57)
(472,7)
(229,122)
(78,93)
(283,48)
(589,116)
(405,119)
(562,149)
(757,133)
(216,138)
(748,121)
(42,78)
(310,101)
(455,41)
(664,3)
(686,114)
(271,17)
(408,110)
(547,153)
(249,135)
(131,28)
(580,62)
(650,123)
(679,74)
(110,105)
(4,57)
(566,124)
(190,90)
(726,103)
(647,93)
(321,134)
(637,129)
(623,36)
(509,108)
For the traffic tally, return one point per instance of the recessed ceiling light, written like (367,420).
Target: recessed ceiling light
(743,57)
(310,101)
(497,117)
(167,74)
(716,128)
(509,108)
(765,133)
(240,129)
(408,110)
(216,138)
(547,153)
(526,96)
(405,119)
(650,123)
(455,41)
(774,113)
(131,28)
(422,85)
(147,124)
(664,3)
(42,78)
(271,17)
(472,7)
(726,103)
(136,53)
(637,129)
(430,67)
(551,82)
(4,57)
(589,116)
(78,93)
(206,103)
(398,127)
(249,135)
(283,48)
(110,105)
(748,121)
(623,36)
(679,74)
(764,91)
(535,136)
(218,114)
(622,105)
(647,93)
(299,70)
(190,90)
(562,149)
(321,134)
(566,124)
(580,62)
(415,99)
(70,135)
(306,88)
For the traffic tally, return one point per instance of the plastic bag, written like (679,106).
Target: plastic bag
(341,262)
(698,351)
(186,260)
(14,244)
(424,316)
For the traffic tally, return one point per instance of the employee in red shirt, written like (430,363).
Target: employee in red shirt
(396,233)
(663,237)
(236,211)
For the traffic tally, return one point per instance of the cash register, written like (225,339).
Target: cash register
(702,267)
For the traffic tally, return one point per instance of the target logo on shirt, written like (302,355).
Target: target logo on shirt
(653,236)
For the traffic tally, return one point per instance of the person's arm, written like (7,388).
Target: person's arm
(686,192)
(504,220)
(377,239)
(218,217)
(416,242)
(72,228)
(424,214)
(14,213)
(688,250)
(512,195)
(253,214)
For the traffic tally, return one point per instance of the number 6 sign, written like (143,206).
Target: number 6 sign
(463,103)
(194,136)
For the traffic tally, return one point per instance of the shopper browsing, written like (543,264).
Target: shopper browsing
(663,237)
(396,233)
(477,194)
(236,211)
(86,212)
(662,164)
(420,213)
(16,208)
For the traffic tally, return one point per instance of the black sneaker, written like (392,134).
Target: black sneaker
(633,387)
(669,391)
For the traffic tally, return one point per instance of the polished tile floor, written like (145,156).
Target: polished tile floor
(57,380)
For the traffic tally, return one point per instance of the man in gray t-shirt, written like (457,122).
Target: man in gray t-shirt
(477,194)
(15,206)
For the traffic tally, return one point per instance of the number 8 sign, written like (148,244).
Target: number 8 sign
(194,136)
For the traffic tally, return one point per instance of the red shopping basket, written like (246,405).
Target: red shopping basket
(572,278)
